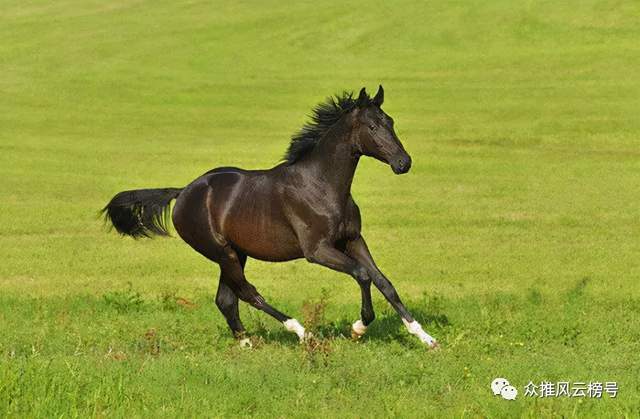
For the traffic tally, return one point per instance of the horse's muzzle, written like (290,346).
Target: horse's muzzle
(401,164)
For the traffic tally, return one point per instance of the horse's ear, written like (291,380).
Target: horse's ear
(363,99)
(378,100)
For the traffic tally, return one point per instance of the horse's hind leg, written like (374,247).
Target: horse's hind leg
(232,273)
(227,302)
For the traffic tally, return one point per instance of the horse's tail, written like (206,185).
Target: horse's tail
(141,213)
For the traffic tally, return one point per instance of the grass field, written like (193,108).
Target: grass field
(515,239)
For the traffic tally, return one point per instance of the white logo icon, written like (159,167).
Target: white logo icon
(502,387)
(497,384)
(509,392)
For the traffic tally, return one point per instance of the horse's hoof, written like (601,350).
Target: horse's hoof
(358,329)
(355,335)
(434,346)
(245,343)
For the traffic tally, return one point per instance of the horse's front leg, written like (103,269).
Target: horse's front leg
(358,250)
(335,259)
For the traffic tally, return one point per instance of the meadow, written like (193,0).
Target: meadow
(515,239)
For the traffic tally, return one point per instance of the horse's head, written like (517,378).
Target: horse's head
(375,135)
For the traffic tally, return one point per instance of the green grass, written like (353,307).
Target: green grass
(515,238)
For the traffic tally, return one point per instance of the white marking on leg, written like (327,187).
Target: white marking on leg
(415,329)
(245,343)
(358,329)
(292,325)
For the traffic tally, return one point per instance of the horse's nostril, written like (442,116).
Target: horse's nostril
(404,164)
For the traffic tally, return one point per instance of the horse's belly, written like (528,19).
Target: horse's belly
(275,245)
(261,235)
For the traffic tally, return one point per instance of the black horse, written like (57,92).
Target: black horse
(300,208)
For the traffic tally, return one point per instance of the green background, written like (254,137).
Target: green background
(514,239)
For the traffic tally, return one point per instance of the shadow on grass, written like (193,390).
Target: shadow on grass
(387,327)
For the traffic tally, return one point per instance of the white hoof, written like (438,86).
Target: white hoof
(292,325)
(245,343)
(358,329)
(416,329)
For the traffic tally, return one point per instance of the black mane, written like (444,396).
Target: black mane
(323,117)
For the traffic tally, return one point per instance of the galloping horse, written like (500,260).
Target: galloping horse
(300,208)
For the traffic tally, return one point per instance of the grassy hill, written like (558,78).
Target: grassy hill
(515,238)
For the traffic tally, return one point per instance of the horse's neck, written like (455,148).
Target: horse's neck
(334,162)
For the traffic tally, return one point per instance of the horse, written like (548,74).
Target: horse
(301,208)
